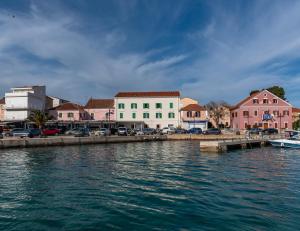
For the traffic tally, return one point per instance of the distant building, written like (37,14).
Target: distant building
(100,109)
(194,116)
(187,101)
(55,101)
(68,112)
(262,109)
(296,114)
(21,101)
(224,121)
(2,109)
(148,109)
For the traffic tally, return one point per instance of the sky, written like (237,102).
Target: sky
(209,50)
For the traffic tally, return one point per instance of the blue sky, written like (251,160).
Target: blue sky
(209,50)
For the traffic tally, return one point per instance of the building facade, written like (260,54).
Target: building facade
(22,101)
(2,109)
(68,112)
(296,114)
(194,116)
(100,110)
(262,109)
(148,109)
(224,120)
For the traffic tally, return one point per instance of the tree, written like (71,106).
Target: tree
(39,118)
(217,111)
(296,125)
(278,91)
(253,92)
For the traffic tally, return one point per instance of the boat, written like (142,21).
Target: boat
(292,140)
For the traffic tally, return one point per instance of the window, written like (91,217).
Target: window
(121,106)
(246,125)
(171,115)
(276,125)
(246,113)
(92,116)
(232,114)
(255,101)
(275,101)
(158,105)
(133,106)
(133,115)
(236,114)
(146,106)
(146,115)
(189,114)
(265,101)
(171,105)
(60,115)
(255,113)
(121,115)
(197,114)
(285,125)
(158,115)
(286,113)
(70,115)
(276,113)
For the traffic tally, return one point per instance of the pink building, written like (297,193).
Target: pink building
(68,112)
(262,109)
(2,109)
(100,109)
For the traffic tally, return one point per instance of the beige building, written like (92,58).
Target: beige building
(194,116)
(296,114)
(2,109)
(187,101)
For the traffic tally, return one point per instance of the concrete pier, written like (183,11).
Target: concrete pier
(64,141)
(225,145)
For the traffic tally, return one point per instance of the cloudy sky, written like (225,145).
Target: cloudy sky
(209,50)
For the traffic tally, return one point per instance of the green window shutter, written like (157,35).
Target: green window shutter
(171,115)
(171,105)
(146,115)
(133,106)
(121,115)
(133,115)
(158,115)
(146,106)
(158,105)
(121,105)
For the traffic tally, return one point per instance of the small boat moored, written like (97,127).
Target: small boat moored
(292,140)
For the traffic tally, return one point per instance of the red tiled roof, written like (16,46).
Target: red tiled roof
(99,103)
(244,100)
(68,107)
(297,110)
(2,101)
(149,94)
(192,107)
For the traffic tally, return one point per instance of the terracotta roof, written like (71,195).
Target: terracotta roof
(244,101)
(99,103)
(149,94)
(2,101)
(68,107)
(192,107)
(297,110)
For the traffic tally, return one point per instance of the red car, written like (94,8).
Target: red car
(51,131)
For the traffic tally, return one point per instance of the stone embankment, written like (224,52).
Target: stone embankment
(64,141)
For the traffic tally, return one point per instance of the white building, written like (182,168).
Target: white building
(21,101)
(57,101)
(148,109)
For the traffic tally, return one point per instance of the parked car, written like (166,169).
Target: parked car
(195,131)
(1,136)
(270,131)
(255,131)
(113,131)
(180,131)
(149,131)
(51,132)
(212,131)
(122,131)
(139,132)
(102,132)
(81,132)
(72,131)
(20,132)
(168,130)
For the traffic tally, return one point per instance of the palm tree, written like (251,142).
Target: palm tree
(39,118)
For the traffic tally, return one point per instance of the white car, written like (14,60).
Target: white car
(103,132)
(168,130)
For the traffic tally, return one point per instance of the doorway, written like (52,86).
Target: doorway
(266,125)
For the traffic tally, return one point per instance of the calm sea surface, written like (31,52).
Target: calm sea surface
(146,186)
